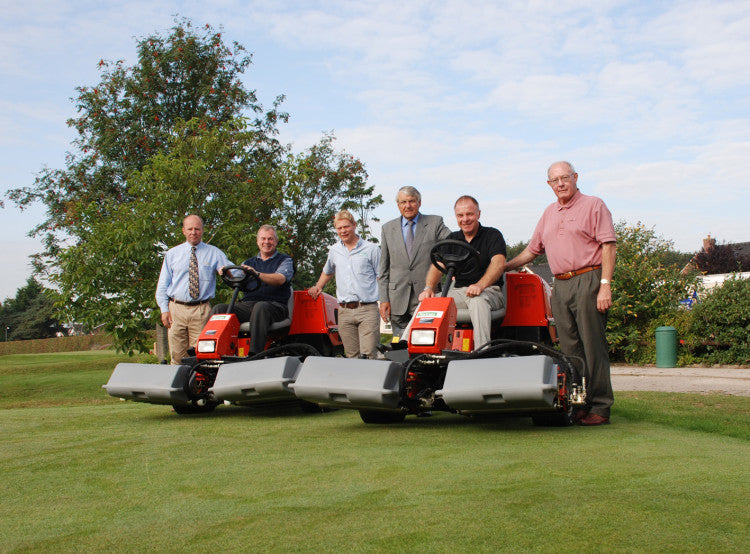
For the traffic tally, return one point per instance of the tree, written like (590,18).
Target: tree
(514,250)
(645,288)
(129,117)
(720,258)
(176,133)
(220,173)
(317,184)
(101,237)
(30,315)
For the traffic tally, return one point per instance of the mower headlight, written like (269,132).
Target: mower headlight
(207,346)
(423,337)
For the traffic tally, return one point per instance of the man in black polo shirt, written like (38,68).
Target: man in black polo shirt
(479,290)
(267,304)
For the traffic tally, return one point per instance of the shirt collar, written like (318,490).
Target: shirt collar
(272,256)
(415,219)
(571,202)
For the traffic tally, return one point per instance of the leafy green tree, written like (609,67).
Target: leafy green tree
(31,314)
(317,184)
(176,133)
(161,122)
(514,250)
(219,172)
(645,288)
(129,117)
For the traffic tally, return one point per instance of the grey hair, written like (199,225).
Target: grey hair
(269,228)
(570,165)
(409,190)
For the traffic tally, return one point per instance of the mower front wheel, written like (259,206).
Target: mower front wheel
(192,408)
(381,416)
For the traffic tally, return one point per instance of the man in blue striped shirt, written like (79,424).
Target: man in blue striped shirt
(184,313)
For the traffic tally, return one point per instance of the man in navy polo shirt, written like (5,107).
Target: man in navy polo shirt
(267,304)
(480,290)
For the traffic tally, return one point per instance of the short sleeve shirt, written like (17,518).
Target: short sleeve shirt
(356,271)
(489,242)
(572,235)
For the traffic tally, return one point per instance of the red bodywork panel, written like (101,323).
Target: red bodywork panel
(222,328)
(310,317)
(439,315)
(313,317)
(527,301)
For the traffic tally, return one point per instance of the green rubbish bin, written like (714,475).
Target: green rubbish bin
(666,347)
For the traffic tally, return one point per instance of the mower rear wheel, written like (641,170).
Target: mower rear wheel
(381,416)
(559,419)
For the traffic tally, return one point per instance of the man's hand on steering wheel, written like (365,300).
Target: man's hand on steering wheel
(248,279)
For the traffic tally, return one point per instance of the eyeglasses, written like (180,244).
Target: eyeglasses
(562,178)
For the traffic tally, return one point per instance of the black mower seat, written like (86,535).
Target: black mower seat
(278,326)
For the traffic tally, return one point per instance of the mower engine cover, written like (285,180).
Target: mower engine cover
(433,325)
(218,338)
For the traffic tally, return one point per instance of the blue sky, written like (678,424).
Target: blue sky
(648,99)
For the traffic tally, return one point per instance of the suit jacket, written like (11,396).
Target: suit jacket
(401,279)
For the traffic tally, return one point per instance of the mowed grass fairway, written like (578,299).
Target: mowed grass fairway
(84,472)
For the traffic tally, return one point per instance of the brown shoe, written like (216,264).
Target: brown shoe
(578,415)
(594,419)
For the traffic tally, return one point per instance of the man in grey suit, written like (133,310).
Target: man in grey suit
(405,257)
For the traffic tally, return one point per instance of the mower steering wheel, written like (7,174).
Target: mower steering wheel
(454,254)
(248,281)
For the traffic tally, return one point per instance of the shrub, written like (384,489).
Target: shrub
(646,291)
(720,323)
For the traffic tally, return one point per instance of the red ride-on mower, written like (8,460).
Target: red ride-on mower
(517,372)
(220,371)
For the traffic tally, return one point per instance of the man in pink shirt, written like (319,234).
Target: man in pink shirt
(578,236)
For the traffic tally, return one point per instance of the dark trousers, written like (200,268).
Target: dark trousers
(261,314)
(582,330)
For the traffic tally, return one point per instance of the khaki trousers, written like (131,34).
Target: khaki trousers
(480,308)
(360,330)
(187,324)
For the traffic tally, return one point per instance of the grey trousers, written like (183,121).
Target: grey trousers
(582,330)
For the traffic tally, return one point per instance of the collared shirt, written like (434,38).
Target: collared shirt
(356,271)
(572,235)
(175,273)
(489,242)
(405,225)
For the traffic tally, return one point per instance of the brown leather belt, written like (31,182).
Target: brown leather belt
(570,274)
(352,305)
(196,303)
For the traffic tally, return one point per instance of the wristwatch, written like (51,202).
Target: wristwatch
(605,282)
